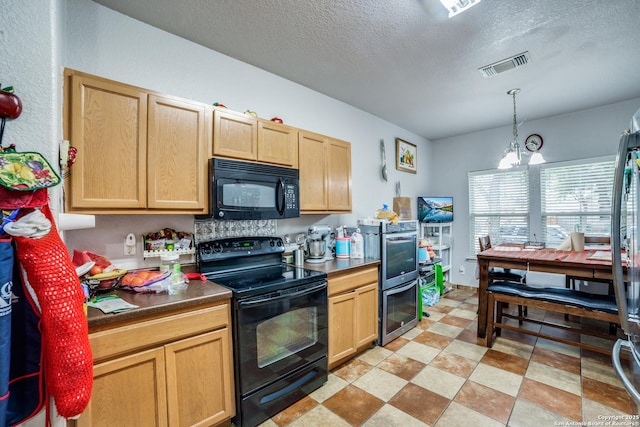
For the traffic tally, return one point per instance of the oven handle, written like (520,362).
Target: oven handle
(394,291)
(252,302)
(402,235)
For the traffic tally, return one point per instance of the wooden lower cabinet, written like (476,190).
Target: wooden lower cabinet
(185,382)
(353,313)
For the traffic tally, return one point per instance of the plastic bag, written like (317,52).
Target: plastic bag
(146,281)
(430,295)
(386,213)
(154,281)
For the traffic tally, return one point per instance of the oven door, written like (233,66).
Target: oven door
(399,258)
(279,333)
(399,311)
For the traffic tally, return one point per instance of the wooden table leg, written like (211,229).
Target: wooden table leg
(482,297)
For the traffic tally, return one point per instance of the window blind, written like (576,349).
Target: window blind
(498,206)
(576,196)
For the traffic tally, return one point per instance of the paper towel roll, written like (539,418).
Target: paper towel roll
(67,221)
(577,241)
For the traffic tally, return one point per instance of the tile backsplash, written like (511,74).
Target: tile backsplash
(209,229)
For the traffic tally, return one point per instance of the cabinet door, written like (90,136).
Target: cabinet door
(199,380)
(339,175)
(235,135)
(129,391)
(277,144)
(179,134)
(109,130)
(312,163)
(342,331)
(367,318)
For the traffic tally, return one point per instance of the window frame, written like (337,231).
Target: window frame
(536,224)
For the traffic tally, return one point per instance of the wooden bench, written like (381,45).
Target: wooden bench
(559,300)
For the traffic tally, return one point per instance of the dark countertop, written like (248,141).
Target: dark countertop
(337,266)
(197,292)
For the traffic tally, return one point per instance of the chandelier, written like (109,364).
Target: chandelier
(513,153)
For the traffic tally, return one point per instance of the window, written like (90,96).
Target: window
(499,206)
(563,197)
(576,196)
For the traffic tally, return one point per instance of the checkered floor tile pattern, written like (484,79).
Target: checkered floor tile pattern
(436,375)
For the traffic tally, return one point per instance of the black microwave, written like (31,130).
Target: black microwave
(245,190)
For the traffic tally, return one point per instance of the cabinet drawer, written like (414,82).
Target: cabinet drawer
(121,340)
(353,279)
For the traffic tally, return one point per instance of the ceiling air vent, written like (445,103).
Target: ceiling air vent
(505,65)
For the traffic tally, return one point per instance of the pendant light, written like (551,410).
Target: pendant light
(513,154)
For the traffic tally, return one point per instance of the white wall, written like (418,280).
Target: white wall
(582,134)
(106,43)
(30,39)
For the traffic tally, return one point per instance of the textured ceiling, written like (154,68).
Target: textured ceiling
(406,62)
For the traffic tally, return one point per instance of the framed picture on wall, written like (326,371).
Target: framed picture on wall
(406,156)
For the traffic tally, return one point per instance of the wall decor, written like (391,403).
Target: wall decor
(406,156)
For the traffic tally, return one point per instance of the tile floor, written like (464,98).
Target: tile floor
(436,375)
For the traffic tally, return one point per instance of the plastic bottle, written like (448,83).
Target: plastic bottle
(357,245)
(170,263)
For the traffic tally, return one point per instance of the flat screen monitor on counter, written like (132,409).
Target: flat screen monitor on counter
(435,209)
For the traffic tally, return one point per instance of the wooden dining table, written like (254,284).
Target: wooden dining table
(583,265)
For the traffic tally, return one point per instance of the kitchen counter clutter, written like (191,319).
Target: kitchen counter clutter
(197,292)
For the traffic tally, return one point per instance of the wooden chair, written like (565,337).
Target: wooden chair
(508,274)
(501,273)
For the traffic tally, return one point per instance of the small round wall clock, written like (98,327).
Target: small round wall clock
(533,142)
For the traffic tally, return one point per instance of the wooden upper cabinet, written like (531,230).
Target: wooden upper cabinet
(313,171)
(138,151)
(240,136)
(277,144)
(177,153)
(339,175)
(325,174)
(109,129)
(235,135)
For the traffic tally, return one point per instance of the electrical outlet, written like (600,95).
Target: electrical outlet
(130,244)
(129,250)
(461,269)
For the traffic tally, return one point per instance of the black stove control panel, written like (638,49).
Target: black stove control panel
(235,247)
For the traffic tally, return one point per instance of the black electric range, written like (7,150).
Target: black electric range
(279,322)
(251,266)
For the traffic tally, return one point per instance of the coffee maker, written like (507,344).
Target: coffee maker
(320,244)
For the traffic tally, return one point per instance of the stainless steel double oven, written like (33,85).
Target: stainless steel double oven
(398,310)
(279,320)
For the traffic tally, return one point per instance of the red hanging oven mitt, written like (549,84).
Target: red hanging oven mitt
(68,363)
